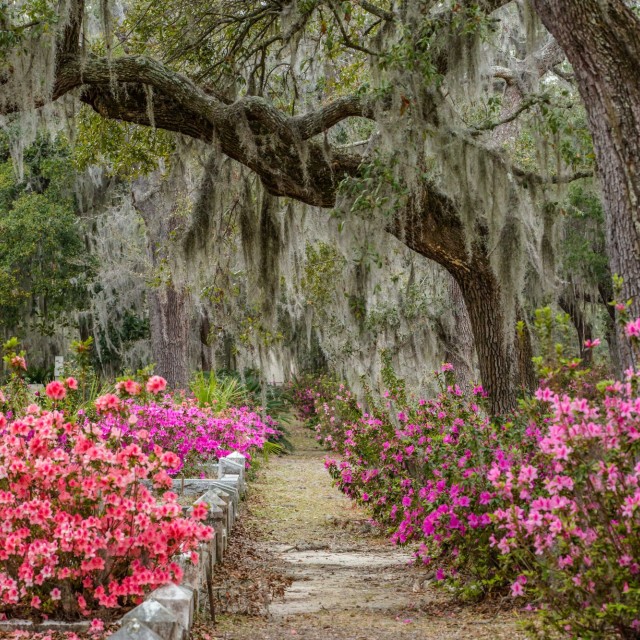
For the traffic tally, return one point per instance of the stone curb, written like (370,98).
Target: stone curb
(168,612)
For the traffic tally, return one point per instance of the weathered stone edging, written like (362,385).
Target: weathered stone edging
(168,612)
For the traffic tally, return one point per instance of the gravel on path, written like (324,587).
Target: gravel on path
(306,564)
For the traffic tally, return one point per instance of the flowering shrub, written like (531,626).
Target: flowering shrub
(422,471)
(81,533)
(307,391)
(88,524)
(572,518)
(546,503)
(197,435)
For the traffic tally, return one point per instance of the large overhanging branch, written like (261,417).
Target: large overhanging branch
(76,71)
(251,130)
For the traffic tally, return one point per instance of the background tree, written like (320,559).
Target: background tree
(602,42)
(44,266)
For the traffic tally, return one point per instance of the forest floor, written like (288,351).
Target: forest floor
(304,563)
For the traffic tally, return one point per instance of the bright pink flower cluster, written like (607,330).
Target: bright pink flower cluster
(421,467)
(18,362)
(196,435)
(57,390)
(82,527)
(574,515)
(546,503)
(156,384)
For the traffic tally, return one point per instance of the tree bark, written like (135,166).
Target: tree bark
(583,328)
(169,315)
(170,307)
(458,338)
(526,371)
(601,39)
(611,333)
(206,352)
(495,344)
(433,229)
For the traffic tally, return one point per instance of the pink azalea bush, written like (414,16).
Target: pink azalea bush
(88,523)
(197,435)
(544,504)
(421,466)
(82,534)
(571,517)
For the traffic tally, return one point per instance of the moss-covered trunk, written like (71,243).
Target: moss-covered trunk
(170,303)
(169,314)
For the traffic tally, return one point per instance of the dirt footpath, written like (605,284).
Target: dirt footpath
(305,564)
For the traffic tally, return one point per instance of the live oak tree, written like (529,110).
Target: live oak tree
(269,82)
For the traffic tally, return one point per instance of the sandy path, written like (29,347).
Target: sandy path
(347,583)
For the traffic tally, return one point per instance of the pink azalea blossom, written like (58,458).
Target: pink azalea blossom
(156,384)
(55,390)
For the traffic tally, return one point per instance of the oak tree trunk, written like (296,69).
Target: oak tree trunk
(494,340)
(457,335)
(601,39)
(170,305)
(169,315)
(437,234)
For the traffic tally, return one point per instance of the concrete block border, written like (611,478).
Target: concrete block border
(168,612)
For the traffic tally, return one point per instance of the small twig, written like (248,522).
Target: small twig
(212,604)
(524,106)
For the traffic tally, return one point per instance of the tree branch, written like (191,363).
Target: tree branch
(185,93)
(316,122)
(369,7)
(525,105)
(348,42)
(252,131)
(547,57)
(536,178)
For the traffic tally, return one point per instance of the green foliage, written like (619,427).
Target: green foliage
(16,393)
(583,249)
(126,150)
(428,37)
(40,258)
(79,365)
(271,399)
(21,19)
(217,392)
(273,448)
(377,188)
(44,267)
(553,331)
